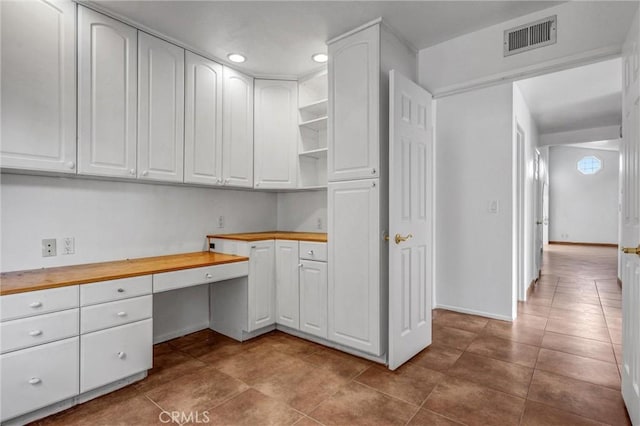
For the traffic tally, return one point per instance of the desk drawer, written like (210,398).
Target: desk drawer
(108,291)
(313,251)
(195,276)
(105,315)
(32,331)
(38,302)
(36,377)
(115,353)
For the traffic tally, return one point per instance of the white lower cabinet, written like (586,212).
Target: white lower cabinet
(287,284)
(115,353)
(313,297)
(36,377)
(262,288)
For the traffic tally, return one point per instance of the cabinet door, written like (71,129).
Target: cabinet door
(160,109)
(237,129)
(287,283)
(38,78)
(261,285)
(354,260)
(203,121)
(313,298)
(107,92)
(276,134)
(354,102)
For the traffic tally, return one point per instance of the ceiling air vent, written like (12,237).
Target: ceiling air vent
(530,36)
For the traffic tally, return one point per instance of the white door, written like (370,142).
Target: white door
(276,134)
(538,230)
(107,92)
(354,304)
(287,284)
(160,109)
(313,297)
(203,121)
(261,284)
(630,162)
(237,129)
(354,106)
(38,112)
(410,219)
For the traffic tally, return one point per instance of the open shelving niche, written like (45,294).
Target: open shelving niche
(312,150)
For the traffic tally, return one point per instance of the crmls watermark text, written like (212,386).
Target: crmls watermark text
(181,417)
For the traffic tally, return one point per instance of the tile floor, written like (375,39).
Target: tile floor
(557,364)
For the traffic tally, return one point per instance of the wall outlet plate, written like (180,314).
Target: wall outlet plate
(49,247)
(68,245)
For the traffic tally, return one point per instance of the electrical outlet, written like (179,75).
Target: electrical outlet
(68,245)
(319,223)
(48,247)
(220,221)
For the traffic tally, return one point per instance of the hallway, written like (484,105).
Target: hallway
(556,365)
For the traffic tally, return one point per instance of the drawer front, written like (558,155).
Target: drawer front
(115,353)
(105,315)
(196,276)
(108,291)
(313,251)
(38,302)
(36,377)
(32,331)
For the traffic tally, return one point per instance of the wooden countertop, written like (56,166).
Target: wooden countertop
(318,237)
(40,279)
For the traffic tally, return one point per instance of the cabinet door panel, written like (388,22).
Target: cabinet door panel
(237,129)
(287,283)
(38,121)
(261,285)
(276,134)
(353,130)
(160,109)
(313,298)
(107,63)
(203,121)
(354,260)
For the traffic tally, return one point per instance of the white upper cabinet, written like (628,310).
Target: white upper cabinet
(203,121)
(237,129)
(354,93)
(160,109)
(107,95)
(276,134)
(38,121)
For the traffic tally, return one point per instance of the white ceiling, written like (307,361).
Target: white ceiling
(578,98)
(279,37)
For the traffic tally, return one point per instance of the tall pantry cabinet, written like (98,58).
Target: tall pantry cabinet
(358,132)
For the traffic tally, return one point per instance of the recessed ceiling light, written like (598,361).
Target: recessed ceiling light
(236,57)
(320,57)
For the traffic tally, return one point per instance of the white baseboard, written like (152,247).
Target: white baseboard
(475,312)
(179,333)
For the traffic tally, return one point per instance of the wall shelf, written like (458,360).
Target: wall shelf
(315,124)
(314,153)
(316,109)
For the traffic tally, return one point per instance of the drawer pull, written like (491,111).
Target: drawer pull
(121,290)
(35,333)
(34,381)
(300,265)
(310,252)
(209,276)
(35,304)
(122,314)
(122,355)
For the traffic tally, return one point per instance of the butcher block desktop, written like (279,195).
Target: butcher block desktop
(318,237)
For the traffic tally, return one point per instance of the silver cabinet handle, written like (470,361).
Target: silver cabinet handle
(300,265)
(209,276)
(34,380)
(132,172)
(122,355)
(35,333)
(310,252)
(71,165)
(226,181)
(35,304)
(121,290)
(144,173)
(122,314)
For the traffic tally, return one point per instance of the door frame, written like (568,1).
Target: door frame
(520,285)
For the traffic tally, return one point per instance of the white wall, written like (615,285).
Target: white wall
(301,211)
(473,167)
(522,117)
(583,208)
(477,58)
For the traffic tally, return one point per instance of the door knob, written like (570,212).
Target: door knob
(631,250)
(399,238)
(538,222)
